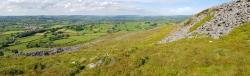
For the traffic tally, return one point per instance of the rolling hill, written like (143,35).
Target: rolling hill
(213,42)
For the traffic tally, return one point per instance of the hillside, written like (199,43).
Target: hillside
(195,47)
(213,22)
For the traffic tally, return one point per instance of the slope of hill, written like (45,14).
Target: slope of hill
(139,53)
(213,22)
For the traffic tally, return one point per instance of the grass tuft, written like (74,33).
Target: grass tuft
(198,24)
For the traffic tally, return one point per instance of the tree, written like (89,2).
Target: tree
(67,35)
(44,35)
(1,53)
(14,51)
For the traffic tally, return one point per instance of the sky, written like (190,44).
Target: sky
(105,7)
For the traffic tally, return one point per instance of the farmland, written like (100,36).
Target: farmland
(47,32)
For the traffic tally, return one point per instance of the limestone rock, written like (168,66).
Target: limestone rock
(226,17)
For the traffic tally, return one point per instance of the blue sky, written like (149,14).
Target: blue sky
(105,7)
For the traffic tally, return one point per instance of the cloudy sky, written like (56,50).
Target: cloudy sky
(105,7)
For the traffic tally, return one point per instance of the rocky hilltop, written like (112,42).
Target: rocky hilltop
(213,22)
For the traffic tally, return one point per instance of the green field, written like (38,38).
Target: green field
(34,49)
(28,39)
(10,32)
(56,26)
(66,31)
(64,41)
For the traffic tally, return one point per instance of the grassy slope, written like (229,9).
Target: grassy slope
(139,55)
(198,24)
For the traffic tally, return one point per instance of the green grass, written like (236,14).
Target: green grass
(40,34)
(34,49)
(96,34)
(29,38)
(139,55)
(190,20)
(198,24)
(56,26)
(64,41)
(10,32)
(18,47)
(80,39)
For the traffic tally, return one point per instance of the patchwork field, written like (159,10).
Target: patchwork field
(10,32)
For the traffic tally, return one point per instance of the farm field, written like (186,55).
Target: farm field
(62,32)
(10,32)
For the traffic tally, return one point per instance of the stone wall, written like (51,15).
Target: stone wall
(57,50)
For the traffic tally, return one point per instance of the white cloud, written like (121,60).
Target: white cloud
(180,11)
(68,7)
(86,7)
(153,1)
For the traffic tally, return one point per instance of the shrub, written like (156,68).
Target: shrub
(14,51)
(11,71)
(140,62)
(78,67)
(188,22)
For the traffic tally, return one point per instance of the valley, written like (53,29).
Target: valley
(22,36)
(213,42)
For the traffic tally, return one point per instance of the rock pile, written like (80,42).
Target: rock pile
(226,17)
(101,62)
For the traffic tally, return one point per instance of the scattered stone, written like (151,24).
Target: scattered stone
(83,60)
(100,62)
(91,65)
(107,55)
(74,62)
(112,62)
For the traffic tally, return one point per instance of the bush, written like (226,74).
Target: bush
(140,62)
(12,71)
(14,51)
(78,67)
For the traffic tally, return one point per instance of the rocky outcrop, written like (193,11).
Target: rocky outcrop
(227,16)
(101,62)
